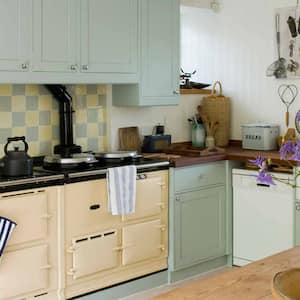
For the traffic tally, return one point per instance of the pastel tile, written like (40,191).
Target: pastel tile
(82,142)
(91,89)
(81,102)
(81,116)
(102,88)
(81,130)
(32,118)
(45,102)
(18,119)
(18,131)
(5,103)
(18,103)
(32,103)
(80,89)
(45,133)
(55,132)
(5,89)
(34,148)
(31,90)
(54,118)
(102,129)
(18,89)
(4,134)
(44,118)
(5,119)
(92,130)
(46,147)
(102,100)
(32,134)
(92,100)
(43,90)
(92,144)
(92,115)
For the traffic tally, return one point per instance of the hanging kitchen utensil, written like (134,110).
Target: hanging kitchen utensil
(287,93)
(277,68)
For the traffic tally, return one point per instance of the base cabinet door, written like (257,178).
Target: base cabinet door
(200,226)
(143,241)
(24,271)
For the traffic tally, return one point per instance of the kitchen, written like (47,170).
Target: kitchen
(223,51)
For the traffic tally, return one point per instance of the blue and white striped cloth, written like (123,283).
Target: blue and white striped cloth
(6,228)
(121,183)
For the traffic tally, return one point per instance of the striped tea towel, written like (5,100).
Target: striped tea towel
(121,183)
(6,228)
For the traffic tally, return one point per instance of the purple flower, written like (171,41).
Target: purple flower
(286,150)
(298,116)
(264,178)
(259,161)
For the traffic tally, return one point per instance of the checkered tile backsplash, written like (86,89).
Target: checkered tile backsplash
(30,110)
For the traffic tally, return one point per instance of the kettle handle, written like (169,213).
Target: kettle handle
(15,139)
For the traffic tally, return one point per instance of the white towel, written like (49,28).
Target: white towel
(121,190)
(6,228)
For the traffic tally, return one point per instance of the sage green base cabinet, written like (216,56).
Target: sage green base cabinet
(159,57)
(200,234)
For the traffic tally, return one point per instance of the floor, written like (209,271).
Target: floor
(146,295)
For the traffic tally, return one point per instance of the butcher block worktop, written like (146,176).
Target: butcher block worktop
(183,154)
(252,282)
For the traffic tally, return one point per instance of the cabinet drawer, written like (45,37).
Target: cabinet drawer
(143,241)
(29,210)
(86,208)
(151,195)
(199,176)
(94,253)
(23,271)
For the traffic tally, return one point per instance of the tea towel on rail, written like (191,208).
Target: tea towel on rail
(121,190)
(6,228)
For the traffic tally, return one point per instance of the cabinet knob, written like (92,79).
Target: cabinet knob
(85,67)
(298,206)
(73,67)
(177,198)
(24,66)
(176,92)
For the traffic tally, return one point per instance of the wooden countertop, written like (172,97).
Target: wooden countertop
(252,282)
(188,156)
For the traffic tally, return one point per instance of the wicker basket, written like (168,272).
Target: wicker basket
(217,108)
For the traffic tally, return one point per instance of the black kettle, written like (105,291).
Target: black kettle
(16,162)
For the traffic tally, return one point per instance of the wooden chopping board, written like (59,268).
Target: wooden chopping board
(129,139)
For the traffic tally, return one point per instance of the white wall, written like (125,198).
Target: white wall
(173,117)
(236,46)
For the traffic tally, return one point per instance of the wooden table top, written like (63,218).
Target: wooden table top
(252,282)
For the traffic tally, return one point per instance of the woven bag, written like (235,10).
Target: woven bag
(217,108)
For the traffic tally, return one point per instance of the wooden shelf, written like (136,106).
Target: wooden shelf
(195,91)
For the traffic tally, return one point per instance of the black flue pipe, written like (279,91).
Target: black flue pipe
(66,147)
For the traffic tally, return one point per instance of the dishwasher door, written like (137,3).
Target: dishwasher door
(263,217)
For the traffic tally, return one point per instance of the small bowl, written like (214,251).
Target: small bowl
(285,285)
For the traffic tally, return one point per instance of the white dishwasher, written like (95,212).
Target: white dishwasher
(263,217)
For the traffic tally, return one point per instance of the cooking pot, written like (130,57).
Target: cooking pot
(16,162)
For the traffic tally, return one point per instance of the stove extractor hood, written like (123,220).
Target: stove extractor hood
(66,147)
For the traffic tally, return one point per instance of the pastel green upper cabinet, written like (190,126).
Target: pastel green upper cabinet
(109,36)
(54,35)
(159,57)
(15,35)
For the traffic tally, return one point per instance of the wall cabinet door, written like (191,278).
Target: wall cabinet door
(200,226)
(160,52)
(55,43)
(109,36)
(15,35)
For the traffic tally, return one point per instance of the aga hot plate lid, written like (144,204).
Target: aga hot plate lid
(117,155)
(75,159)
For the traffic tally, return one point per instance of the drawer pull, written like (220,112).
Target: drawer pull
(46,267)
(161,204)
(298,207)
(162,248)
(95,206)
(161,227)
(47,216)
(71,272)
